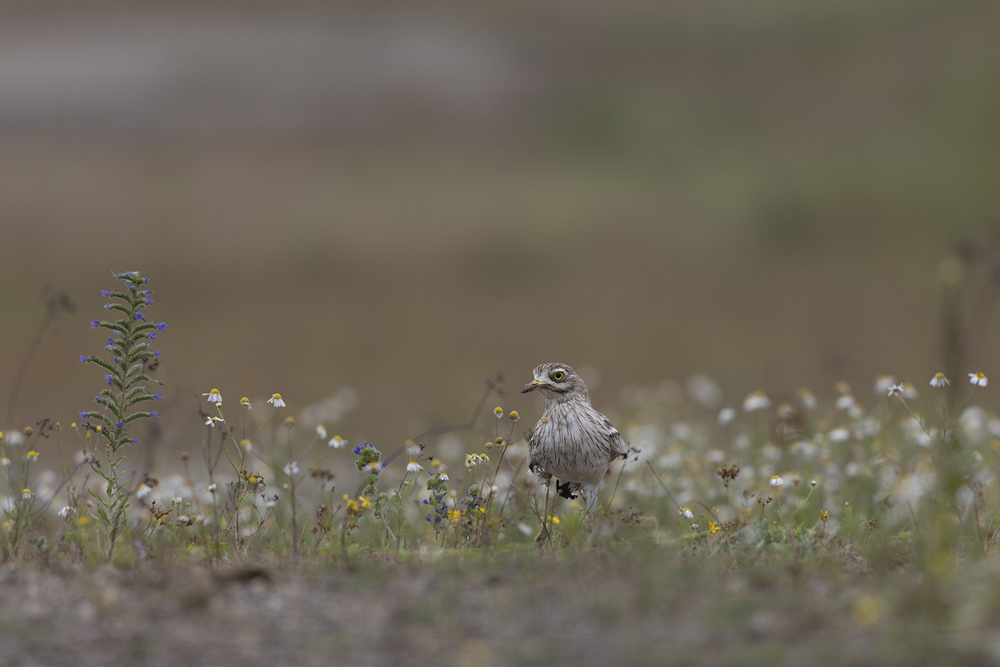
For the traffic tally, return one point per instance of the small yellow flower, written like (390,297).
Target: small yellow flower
(556,521)
(454,515)
(289,421)
(513,415)
(72,425)
(713,527)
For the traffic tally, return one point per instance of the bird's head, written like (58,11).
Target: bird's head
(556,382)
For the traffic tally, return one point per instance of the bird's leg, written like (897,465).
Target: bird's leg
(543,534)
(590,498)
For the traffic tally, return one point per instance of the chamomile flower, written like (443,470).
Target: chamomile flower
(66,511)
(321,432)
(26,494)
(245,402)
(806,398)
(845,402)
(514,416)
(4,462)
(473,460)
(413,466)
(276,400)
(214,396)
(756,400)
(939,380)
(213,487)
(895,389)
(498,411)
(726,415)
(337,442)
(291,468)
(211,421)
(883,383)
(839,434)
(143,491)
(978,379)
(777,481)
(685,512)
(32,455)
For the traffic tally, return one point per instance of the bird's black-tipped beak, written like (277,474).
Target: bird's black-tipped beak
(532,386)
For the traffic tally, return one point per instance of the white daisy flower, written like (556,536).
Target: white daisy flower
(895,389)
(26,494)
(845,402)
(143,491)
(883,383)
(291,469)
(978,379)
(321,432)
(939,380)
(806,398)
(413,466)
(337,442)
(214,396)
(756,400)
(685,512)
(66,511)
(276,400)
(213,487)
(776,480)
(726,415)
(839,434)
(211,421)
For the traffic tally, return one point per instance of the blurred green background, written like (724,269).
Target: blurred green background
(403,199)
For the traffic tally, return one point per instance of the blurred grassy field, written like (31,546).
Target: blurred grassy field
(761,193)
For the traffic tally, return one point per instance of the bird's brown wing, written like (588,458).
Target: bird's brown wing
(616,443)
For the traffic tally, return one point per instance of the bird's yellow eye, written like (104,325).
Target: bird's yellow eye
(558,376)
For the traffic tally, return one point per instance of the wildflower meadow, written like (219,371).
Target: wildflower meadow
(852,524)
